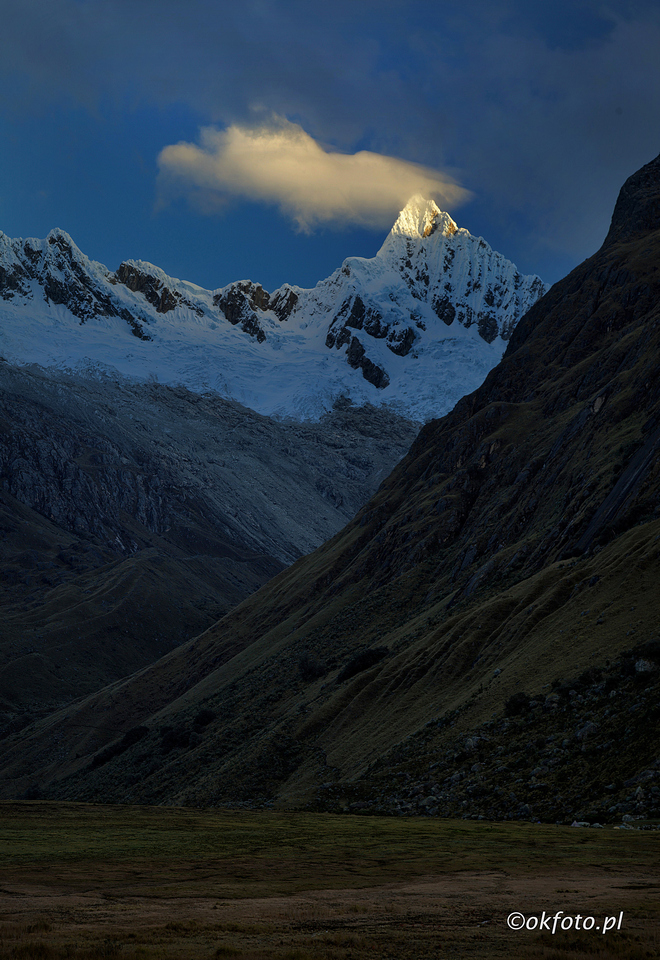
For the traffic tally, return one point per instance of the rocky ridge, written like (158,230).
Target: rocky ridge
(426,261)
(415,327)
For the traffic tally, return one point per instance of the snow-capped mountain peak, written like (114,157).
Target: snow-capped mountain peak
(417,326)
(420,218)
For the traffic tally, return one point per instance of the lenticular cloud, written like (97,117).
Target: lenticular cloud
(282,164)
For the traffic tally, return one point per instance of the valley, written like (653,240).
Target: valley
(497,593)
(141,499)
(136,882)
(329,480)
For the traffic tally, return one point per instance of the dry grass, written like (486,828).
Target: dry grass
(83,882)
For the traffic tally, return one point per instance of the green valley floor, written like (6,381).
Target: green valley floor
(84,881)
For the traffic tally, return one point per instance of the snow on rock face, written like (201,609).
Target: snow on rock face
(416,327)
(428,285)
(56,271)
(420,218)
(427,262)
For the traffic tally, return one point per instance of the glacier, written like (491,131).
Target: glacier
(414,328)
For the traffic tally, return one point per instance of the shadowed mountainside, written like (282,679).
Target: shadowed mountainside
(133,516)
(498,588)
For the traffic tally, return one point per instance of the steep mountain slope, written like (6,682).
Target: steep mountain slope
(415,327)
(133,516)
(476,641)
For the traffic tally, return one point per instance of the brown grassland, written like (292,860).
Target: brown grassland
(91,881)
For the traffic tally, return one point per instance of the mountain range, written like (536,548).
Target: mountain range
(481,640)
(139,500)
(415,328)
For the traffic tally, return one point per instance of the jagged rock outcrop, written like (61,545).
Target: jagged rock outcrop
(239,303)
(427,268)
(66,278)
(143,279)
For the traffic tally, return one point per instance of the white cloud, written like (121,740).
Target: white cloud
(280,163)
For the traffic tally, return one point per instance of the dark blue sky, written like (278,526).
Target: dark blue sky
(538,111)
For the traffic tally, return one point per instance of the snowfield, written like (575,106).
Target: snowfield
(414,328)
